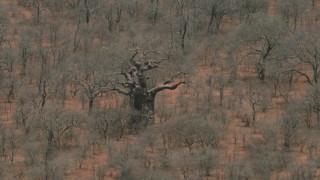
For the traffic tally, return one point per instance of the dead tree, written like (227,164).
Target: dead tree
(134,84)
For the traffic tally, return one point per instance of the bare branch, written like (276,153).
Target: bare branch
(304,75)
(128,77)
(150,51)
(148,65)
(113,73)
(172,78)
(164,87)
(134,55)
(121,91)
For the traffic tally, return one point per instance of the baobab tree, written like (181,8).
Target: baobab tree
(133,82)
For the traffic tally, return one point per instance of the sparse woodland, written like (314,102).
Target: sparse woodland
(159,89)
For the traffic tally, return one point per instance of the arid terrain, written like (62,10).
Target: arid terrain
(150,89)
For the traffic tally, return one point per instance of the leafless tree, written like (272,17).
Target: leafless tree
(275,76)
(257,101)
(109,123)
(154,13)
(194,131)
(89,74)
(292,10)
(248,8)
(305,170)
(313,102)
(288,128)
(25,51)
(260,37)
(217,10)
(307,51)
(134,83)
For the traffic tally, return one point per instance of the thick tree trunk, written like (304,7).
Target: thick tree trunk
(318,119)
(254,118)
(142,106)
(209,30)
(43,95)
(290,80)
(88,13)
(183,31)
(90,105)
(308,117)
(24,61)
(48,153)
(261,73)
(286,143)
(315,74)
(38,11)
(221,95)
(142,98)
